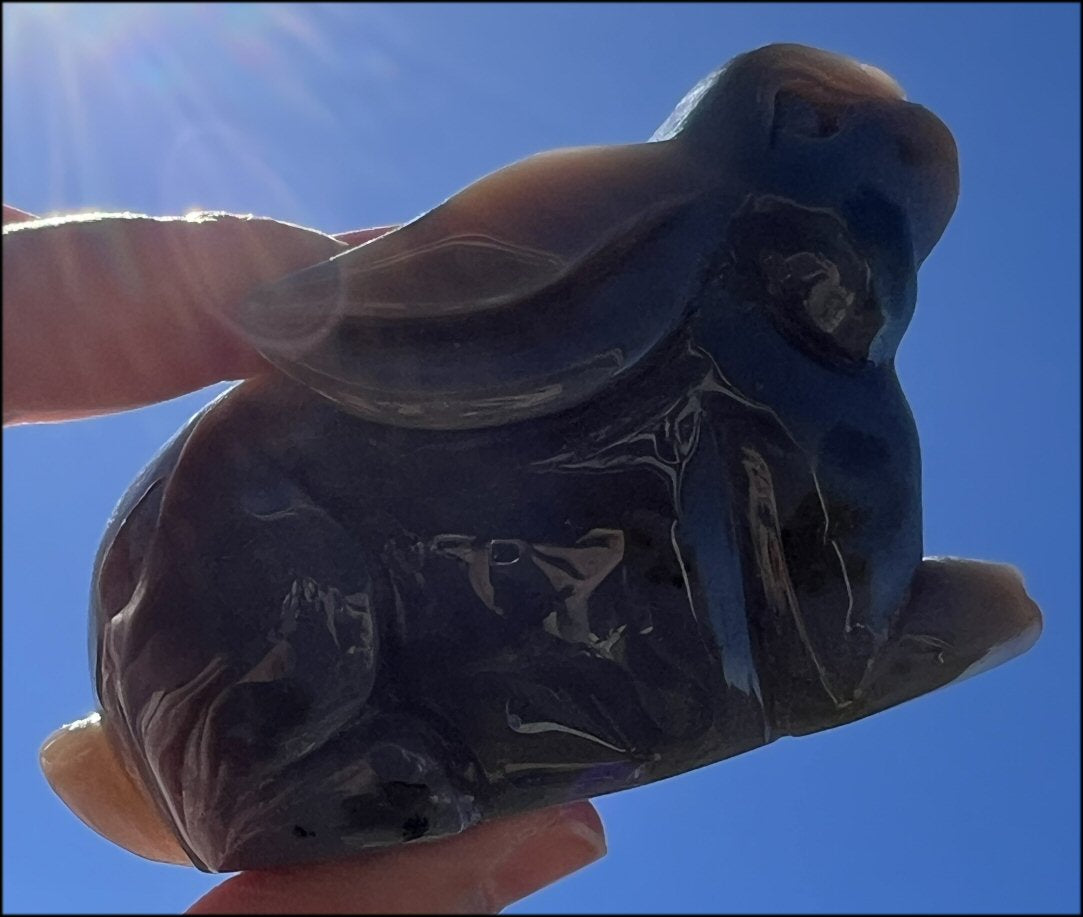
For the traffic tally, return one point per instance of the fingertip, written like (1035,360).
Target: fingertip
(482,870)
(589,818)
(551,846)
(106,312)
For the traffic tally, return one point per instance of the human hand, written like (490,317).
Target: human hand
(107,313)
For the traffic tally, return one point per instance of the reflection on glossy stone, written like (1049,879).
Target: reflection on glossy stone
(597,473)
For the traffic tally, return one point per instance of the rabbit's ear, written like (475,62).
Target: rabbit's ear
(486,309)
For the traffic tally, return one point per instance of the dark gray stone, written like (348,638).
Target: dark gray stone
(596,473)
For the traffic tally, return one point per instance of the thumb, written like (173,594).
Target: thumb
(480,871)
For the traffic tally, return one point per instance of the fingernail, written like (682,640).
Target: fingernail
(573,837)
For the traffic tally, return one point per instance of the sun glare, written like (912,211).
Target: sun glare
(179,79)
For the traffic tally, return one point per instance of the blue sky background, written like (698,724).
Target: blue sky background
(341,116)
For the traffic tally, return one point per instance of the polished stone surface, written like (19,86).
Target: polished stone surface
(597,473)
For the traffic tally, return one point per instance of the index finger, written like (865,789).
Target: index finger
(105,312)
